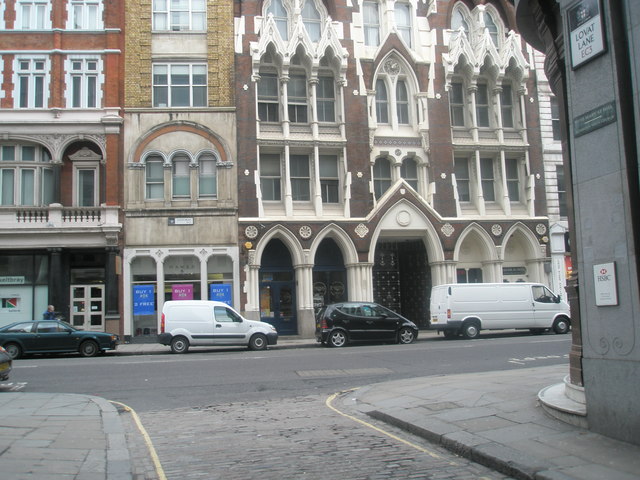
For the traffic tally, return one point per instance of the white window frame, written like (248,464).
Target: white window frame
(206,176)
(381,184)
(457,106)
(326,101)
(463,180)
(414,181)
(483,107)
(150,183)
(32,75)
(396,108)
(405,30)
(329,178)
(172,20)
(507,111)
(171,86)
(298,104)
(369,27)
(86,77)
(511,162)
(486,180)
(180,159)
(274,180)
(85,15)
(382,103)
(38,19)
(267,99)
(300,179)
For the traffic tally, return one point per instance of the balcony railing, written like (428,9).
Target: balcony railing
(57,216)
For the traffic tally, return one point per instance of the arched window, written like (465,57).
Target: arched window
(491,26)
(312,20)
(409,171)
(381,177)
(181,177)
(207,178)
(382,102)
(154,178)
(458,20)
(280,17)
(402,103)
(26,176)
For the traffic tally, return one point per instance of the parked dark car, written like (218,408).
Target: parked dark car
(341,323)
(5,364)
(53,336)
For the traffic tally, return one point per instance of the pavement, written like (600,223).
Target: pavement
(493,418)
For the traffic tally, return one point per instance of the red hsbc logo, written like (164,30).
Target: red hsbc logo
(603,271)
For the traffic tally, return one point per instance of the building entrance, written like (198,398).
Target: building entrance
(277,289)
(87,307)
(402,279)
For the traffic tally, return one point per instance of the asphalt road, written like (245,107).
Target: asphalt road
(218,376)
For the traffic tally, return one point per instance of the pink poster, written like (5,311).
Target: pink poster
(182,292)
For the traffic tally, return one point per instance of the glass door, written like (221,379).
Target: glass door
(87,307)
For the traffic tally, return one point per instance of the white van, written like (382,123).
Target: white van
(206,323)
(466,308)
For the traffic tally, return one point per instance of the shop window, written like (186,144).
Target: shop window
(469,275)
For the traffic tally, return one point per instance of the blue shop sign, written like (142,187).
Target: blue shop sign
(220,292)
(143,300)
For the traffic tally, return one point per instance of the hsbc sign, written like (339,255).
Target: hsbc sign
(604,277)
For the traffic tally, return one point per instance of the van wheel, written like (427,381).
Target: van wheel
(337,338)
(471,329)
(179,345)
(561,325)
(258,342)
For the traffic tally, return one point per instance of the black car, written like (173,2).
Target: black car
(53,336)
(341,323)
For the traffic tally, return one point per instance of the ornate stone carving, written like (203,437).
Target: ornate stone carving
(361,230)
(447,229)
(251,232)
(305,231)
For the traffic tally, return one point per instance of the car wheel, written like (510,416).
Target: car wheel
(89,348)
(337,338)
(406,335)
(179,345)
(560,326)
(14,350)
(258,342)
(471,329)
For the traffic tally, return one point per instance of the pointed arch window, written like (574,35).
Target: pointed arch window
(154,178)
(382,102)
(381,177)
(402,102)
(280,16)
(491,27)
(312,20)
(409,172)
(458,20)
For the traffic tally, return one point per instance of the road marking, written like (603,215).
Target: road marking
(329,404)
(523,361)
(147,440)
(343,372)
(13,387)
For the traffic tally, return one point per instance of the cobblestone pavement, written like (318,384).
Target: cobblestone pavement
(298,438)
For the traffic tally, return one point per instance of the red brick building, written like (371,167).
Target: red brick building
(383,147)
(60,150)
